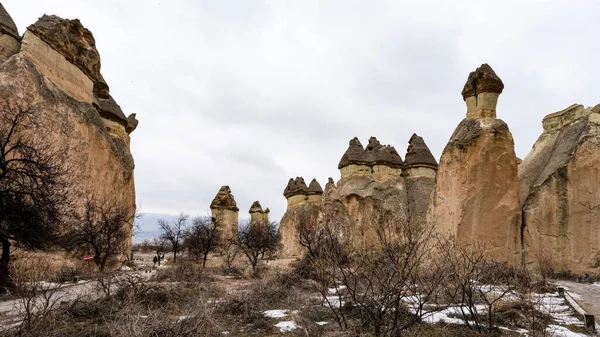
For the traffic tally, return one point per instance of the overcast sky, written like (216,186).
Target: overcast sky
(250,93)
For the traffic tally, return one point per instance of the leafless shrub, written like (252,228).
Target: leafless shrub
(257,239)
(202,238)
(389,287)
(173,232)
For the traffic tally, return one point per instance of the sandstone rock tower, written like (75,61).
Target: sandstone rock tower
(420,169)
(224,209)
(9,36)
(371,188)
(55,69)
(257,214)
(476,196)
(559,191)
(300,220)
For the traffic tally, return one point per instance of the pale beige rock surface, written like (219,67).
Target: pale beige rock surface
(559,192)
(476,196)
(102,165)
(57,68)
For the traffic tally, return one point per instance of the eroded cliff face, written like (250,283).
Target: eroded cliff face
(476,196)
(41,78)
(559,192)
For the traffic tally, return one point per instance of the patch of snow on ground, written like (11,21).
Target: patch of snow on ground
(561,331)
(322,323)
(287,326)
(334,301)
(275,313)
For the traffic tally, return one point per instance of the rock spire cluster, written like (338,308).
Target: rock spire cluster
(542,209)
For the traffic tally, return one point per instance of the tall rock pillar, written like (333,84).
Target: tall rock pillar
(300,221)
(476,196)
(420,168)
(257,214)
(224,209)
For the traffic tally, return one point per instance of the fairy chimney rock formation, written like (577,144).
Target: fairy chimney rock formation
(377,160)
(55,67)
(257,214)
(559,191)
(301,215)
(9,36)
(224,209)
(419,161)
(481,92)
(476,197)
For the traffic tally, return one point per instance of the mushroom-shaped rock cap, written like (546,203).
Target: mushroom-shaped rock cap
(224,200)
(418,153)
(256,207)
(354,155)
(483,79)
(295,187)
(377,154)
(314,187)
(7,25)
(71,40)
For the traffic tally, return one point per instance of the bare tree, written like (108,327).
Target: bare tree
(34,189)
(202,238)
(173,232)
(258,238)
(104,230)
(393,282)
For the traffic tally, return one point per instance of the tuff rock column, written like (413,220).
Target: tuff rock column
(257,214)
(420,169)
(476,196)
(224,209)
(301,217)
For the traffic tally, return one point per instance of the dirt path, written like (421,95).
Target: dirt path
(586,295)
(12,311)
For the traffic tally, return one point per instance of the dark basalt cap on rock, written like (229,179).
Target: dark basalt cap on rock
(354,155)
(101,88)
(71,40)
(295,187)
(377,154)
(418,152)
(483,79)
(109,109)
(314,187)
(7,25)
(224,200)
(374,154)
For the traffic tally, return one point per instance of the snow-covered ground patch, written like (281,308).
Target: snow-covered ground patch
(287,326)
(322,323)
(275,313)
(333,301)
(561,331)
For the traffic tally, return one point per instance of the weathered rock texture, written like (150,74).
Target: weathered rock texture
(224,209)
(376,194)
(301,217)
(257,214)
(560,194)
(476,197)
(9,36)
(43,74)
